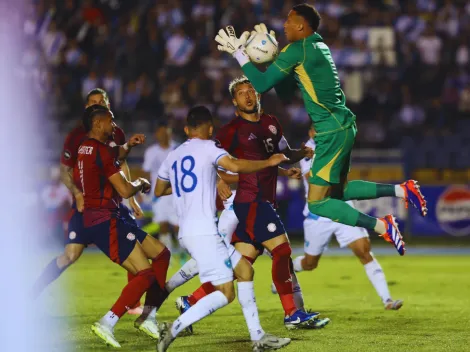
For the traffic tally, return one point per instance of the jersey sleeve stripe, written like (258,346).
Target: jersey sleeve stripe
(221,155)
(163,178)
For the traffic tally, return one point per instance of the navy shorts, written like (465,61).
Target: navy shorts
(76,233)
(115,237)
(258,222)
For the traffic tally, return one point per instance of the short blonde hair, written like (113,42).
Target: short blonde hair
(236,82)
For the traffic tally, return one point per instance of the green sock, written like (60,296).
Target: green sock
(339,211)
(367,190)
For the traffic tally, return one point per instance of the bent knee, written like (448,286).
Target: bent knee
(309,266)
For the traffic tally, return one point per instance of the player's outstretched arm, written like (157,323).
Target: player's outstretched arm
(229,179)
(248,166)
(127,189)
(162,188)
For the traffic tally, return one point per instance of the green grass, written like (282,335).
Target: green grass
(435,316)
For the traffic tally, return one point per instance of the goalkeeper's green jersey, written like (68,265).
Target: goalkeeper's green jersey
(308,64)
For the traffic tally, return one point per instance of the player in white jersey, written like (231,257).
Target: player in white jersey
(318,232)
(164,212)
(190,174)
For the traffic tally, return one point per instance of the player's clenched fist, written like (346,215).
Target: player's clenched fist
(294,173)
(146,186)
(136,139)
(308,152)
(228,40)
(277,159)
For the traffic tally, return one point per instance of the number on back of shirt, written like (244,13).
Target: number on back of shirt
(185,179)
(268,145)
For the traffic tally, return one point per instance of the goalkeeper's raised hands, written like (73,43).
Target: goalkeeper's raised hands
(261,28)
(228,40)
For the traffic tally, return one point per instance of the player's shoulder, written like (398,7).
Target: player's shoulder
(78,131)
(270,119)
(293,47)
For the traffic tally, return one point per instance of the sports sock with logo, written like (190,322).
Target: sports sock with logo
(246,297)
(183,275)
(282,277)
(377,278)
(368,190)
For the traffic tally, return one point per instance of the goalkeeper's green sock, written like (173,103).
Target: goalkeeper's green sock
(357,190)
(339,211)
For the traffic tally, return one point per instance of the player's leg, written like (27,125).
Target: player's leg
(163,209)
(361,248)
(75,244)
(244,274)
(215,267)
(327,182)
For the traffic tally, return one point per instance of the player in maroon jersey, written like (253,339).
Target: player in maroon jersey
(76,242)
(103,185)
(256,136)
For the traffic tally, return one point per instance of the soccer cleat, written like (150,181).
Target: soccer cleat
(393,305)
(166,338)
(148,326)
(414,196)
(105,333)
(136,311)
(317,323)
(182,304)
(270,342)
(392,234)
(300,319)
(273,288)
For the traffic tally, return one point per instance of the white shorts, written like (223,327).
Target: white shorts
(212,257)
(164,211)
(228,222)
(318,235)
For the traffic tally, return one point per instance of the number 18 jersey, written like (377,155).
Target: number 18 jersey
(192,171)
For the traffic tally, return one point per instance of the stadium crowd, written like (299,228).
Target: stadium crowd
(404,65)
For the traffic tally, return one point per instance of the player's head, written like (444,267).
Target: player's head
(98,119)
(311,131)
(163,133)
(97,96)
(244,96)
(302,21)
(199,123)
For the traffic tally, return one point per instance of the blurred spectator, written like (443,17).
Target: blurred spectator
(429,46)
(53,42)
(113,86)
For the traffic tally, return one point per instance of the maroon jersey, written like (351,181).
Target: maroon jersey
(96,162)
(253,141)
(77,136)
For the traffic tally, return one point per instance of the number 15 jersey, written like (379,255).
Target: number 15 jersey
(192,171)
(254,141)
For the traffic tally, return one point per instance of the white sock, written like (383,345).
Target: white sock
(377,278)
(298,297)
(298,263)
(186,273)
(399,191)
(380,227)
(149,312)
(204,307)
(246,297)
(110,319)
(167,240)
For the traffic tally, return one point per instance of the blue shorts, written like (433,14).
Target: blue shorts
(258,222)
(76,233)
(115,237)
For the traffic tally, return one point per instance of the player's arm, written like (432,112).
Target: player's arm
(67,162)
(125,149)
(293,172)
(134,204)
(126,188)
(228,178)
(163,186)
(294,155)
(249,166)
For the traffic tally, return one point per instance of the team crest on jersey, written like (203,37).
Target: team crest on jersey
(130,236)
(273,129)
(72,235)
(67,154)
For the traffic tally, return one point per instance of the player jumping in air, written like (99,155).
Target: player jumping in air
(75,241)
(257,136)
(306,63)
(103,186)
(190,173)
(318,232)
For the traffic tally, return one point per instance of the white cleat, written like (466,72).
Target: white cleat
(270,342)
(393,304)
(165,337)
(136,311)
(148,326)
(273,288)
(105,333)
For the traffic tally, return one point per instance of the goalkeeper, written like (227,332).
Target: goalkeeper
(307,63)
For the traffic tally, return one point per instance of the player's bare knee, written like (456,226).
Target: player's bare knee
(309,264)
(228,290)
(70,256)
(244,272)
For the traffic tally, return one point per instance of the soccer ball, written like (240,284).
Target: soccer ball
(261,48)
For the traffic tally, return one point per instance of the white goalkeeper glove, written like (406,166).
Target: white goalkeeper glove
(231,44)
(261,28)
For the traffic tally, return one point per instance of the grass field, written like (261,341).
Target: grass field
(435,316)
